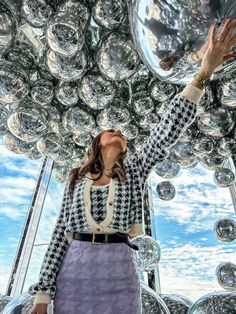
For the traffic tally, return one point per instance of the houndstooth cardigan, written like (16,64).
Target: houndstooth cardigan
(124,201)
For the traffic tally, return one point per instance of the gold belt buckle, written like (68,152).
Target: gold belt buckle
(93,239)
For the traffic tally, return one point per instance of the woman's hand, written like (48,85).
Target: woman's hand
(220,43)
(40,308)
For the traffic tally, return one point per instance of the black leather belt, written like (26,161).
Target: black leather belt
(103,238)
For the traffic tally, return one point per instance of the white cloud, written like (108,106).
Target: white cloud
(190,269)
(5,271)
(198,202)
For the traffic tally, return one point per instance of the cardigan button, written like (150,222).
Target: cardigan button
(98,229)
(110,203)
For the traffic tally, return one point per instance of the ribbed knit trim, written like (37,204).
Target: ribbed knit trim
(42,298)
(192,93)
(109,205)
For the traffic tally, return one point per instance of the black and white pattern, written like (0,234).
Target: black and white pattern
(98,200)
(125,211)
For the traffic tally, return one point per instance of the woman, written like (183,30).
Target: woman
(103,203)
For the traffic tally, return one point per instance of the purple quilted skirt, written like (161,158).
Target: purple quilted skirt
(98,279)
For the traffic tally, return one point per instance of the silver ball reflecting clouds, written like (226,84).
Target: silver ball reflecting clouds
(116,116)
(109,14)
(224,177)
(117,58)
(165,190)
(63,34)
(226,276)
(96,91)
(13,82)
(225,230)
(65,68)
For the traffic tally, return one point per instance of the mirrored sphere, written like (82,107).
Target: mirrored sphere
(151,301)
(175,304)
(50,144)
(23,54)
(220,302)
(4,112)
(67,93)
(116,116)
(7,28)
(167,169)
(60,172)
(213,160)
(142,105)
(77,121)
(161,91)
(165,191)
(36,12)
(63,34)
(131,131)
(13,82)
(109,14)
(139,141)
(4,299)
(165,33)
(226,276)
(149,253)
(203,145)
(216,122)
(42,92)
(227,147)
(182,151)
(29,121)
(64,154)
(229,93)
(33,153)
(64,68)
(225,230)
(22,304)
(117,58)
(77,8)
(83,139)
(15,144)
(224,177)
(149,121)
(96,91)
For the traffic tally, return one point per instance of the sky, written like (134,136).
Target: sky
(184,229)
(190,251)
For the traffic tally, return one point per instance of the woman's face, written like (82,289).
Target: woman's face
(115,138)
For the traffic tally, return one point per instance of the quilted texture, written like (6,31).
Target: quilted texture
(98,279)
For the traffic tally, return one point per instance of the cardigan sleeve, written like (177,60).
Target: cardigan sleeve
(180,113)
(44,290)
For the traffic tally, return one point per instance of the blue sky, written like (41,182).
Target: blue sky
(190,251)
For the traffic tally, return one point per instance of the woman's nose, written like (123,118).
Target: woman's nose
(118,131)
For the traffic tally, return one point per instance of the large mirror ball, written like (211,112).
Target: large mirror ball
(165,32)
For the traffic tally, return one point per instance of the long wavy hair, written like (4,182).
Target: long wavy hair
(94,163)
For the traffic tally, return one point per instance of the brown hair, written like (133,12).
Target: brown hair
(94,163)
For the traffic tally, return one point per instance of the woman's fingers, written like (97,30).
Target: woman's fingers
(227,30)
(225,27)
(212,34)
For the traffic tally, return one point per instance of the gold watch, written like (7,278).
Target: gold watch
(205,81)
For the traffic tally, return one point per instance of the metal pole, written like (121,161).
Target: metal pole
(25,247)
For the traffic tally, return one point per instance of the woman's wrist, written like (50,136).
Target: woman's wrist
(205,72)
